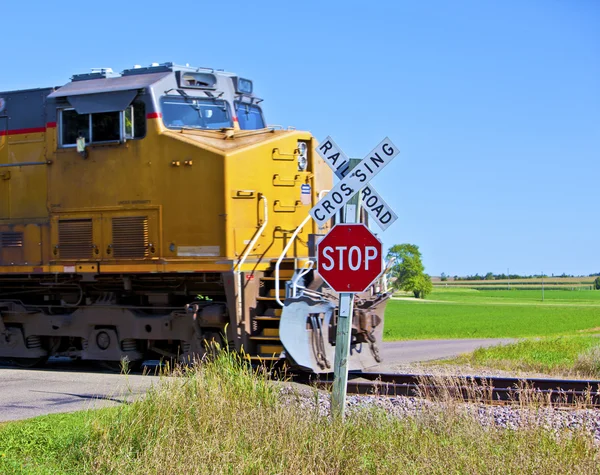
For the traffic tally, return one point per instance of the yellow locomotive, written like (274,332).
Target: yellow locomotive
(145,213)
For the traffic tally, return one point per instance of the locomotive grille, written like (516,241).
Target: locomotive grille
(11,239)
(75,238)
(130,237)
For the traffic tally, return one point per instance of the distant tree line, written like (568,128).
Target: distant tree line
(492,276)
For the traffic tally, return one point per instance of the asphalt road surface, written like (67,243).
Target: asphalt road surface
(401,353)
(66,386)
(63,387)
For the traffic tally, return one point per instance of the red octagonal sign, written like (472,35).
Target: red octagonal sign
(349,258)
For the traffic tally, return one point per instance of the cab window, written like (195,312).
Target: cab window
(104,127)
(195,113)
(249,116)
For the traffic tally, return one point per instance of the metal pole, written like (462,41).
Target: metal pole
(344,323)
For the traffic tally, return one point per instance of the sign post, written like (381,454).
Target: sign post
(349,257)
(344,324)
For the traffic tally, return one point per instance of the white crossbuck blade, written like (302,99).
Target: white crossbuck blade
(353,182)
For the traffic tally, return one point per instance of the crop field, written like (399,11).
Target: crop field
(470,313)
(562,283)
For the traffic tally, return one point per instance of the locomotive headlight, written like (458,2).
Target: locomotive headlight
(302,156)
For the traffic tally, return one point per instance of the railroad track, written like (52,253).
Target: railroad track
(469,388)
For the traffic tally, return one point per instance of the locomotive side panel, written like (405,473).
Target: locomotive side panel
(23,141)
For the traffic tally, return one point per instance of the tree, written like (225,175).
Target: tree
(443,277)
(597,283)
(489,276)
(408,270)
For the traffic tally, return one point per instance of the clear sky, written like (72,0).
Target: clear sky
(494,105)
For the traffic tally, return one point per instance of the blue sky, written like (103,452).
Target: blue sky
(494,105)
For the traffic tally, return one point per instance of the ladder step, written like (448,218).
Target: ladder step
(267,318)
(270,332)
(266,298)
(281,293)
(263,358)
(270,349)
(265,338)
(273,278)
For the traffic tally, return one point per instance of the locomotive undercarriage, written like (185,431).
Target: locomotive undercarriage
(110,317)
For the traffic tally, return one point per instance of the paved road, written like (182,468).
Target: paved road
(29,393)
(65,387)
(398,353)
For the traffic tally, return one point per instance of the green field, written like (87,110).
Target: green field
(470,313)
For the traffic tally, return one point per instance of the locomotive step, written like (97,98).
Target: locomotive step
(267,318)
(281,293)
(270,332)
(265,338)
(260,359)
(270,349)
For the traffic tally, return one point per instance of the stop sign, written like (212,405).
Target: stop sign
(349,258)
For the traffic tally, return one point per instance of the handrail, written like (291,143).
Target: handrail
(24,164)
(287,247)
(284,252)
(242,260)
(308,266)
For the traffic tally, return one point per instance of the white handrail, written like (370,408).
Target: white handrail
(308,266)
(242,260)
(286,249)
(322,192)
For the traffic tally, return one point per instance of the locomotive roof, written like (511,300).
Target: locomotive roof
(120,83)
(102,80)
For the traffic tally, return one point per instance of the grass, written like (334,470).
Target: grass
(46,445)
(576,356)
(469,313)
(223,418)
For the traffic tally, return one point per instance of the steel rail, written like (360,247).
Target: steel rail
(469,388)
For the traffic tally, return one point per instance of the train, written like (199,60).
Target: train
(152,214)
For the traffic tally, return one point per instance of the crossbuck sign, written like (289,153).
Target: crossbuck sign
(352,183)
